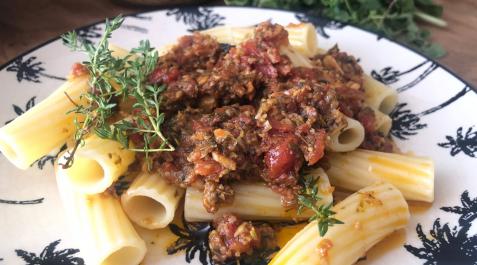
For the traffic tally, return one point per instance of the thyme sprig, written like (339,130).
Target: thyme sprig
(308,199)
(113,80)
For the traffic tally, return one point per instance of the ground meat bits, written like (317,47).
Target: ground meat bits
(342,73)
(214,149)
(245,113)
(233,238)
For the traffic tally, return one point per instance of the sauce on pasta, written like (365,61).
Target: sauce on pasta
(246,113)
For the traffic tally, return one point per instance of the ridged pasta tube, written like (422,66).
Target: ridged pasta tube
(164,49)
(105,234)
(254,201)
(378,95)
(302,37)
(97,164)
(413,176)
(117,51)
(348,138)
(297,59)
(369,215)
(44,127)
(230,35)
(151,201)
(383,122)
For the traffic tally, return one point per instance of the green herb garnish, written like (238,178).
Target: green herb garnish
(113,80)
(395,19)
(308,199)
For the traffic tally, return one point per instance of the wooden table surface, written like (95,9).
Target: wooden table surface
(25,24)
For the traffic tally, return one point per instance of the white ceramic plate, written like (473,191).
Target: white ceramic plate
(435,117)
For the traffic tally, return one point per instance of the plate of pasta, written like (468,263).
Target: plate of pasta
(193,136)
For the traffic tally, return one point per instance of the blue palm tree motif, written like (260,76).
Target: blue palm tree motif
(468,210)
(388,75)
(466,143)
(121,185)
(19,111)
(51,256)
(43,161)
(141,17)
(406,123)
(24,202)
(448,245)
(320,23)
(29,70)
(197,18)
(193,237)
(89,34)
(135,28)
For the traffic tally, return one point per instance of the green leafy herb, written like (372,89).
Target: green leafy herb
(113,80)
(395,19)
(308,199)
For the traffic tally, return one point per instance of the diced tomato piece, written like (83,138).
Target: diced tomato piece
(160,75)
(250,47)
(78,70)
(281,158)
(318,148)
(207,167)
(281,126)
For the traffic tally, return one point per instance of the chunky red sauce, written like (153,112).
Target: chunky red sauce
(246,113)
(79,70)
(234,238)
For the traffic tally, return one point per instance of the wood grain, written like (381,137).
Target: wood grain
(25,24)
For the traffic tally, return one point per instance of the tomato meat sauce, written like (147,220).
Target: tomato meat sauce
(245,113)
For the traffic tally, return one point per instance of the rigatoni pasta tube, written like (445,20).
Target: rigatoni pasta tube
(44,127)
(255,201)
(413,176)
(105,234)
(230,35)
(297,59)
(151,201)
(369,215)
(164,49)
(378,95)
(302,37)
(117,51)
(383,122)
(97,164)
(348,138)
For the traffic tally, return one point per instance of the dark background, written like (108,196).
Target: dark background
(27,23)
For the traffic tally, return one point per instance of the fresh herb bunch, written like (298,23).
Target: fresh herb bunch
(113,80)
(395,19)
(308,199)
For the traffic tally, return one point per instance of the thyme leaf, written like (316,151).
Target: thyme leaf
(308,199)
(113,80)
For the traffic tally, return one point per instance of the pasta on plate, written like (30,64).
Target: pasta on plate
(244,127)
